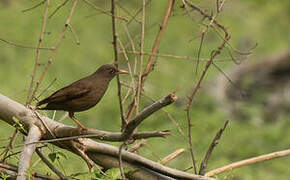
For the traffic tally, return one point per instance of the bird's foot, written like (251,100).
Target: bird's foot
(82,128)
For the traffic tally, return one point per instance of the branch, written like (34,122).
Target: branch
(115,46)
(155,48)
(248,162)
(27,152)
(131,126)
(36,64)
(210,149)
(43,158)
(11,170)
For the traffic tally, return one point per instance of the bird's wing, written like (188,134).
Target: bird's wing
(73,91)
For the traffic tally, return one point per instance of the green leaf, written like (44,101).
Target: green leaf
(61,154)
(52,156)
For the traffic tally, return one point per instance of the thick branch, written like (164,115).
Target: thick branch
(27,152)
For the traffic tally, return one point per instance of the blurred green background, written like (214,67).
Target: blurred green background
(249,22)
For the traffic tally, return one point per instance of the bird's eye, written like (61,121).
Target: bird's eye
(112,71)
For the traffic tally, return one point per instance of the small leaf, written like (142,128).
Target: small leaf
(61,154)
(52,156)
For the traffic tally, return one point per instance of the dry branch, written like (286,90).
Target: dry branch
(131,126)
(248,162)
(11,170)
(215,141)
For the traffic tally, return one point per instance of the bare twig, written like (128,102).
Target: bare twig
(35,6)
(43,158)
(11,170)
(172,156)
(36,64)
(104,11)
(58,8)
(10,144)
(138,145)
(51,57)
(215,141)
(129,129)
(24,46)
(27,152)
(175,56)
(115,46)
(139,88)
(248,162)
(155,48)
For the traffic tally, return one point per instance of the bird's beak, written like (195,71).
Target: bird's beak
(123,72)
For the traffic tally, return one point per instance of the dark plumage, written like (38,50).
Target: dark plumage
(82,94)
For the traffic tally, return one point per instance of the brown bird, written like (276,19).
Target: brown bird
(82,94)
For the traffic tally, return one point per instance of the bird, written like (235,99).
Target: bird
(82,94)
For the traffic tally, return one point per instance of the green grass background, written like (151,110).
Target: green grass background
(249,22)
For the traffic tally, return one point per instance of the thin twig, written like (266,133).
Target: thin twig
(213,144)
(115,46)
(36,64)
(138,145)
(172,156)
(24,46)
(104,11)
(55,170)
(58,8)
(248,162)
(175,56)
(139,88)
(75,36)
(33,7)
(155,48)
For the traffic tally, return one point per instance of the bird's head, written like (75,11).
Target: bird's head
(109,71)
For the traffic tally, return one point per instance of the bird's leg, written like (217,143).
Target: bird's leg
(80,126)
